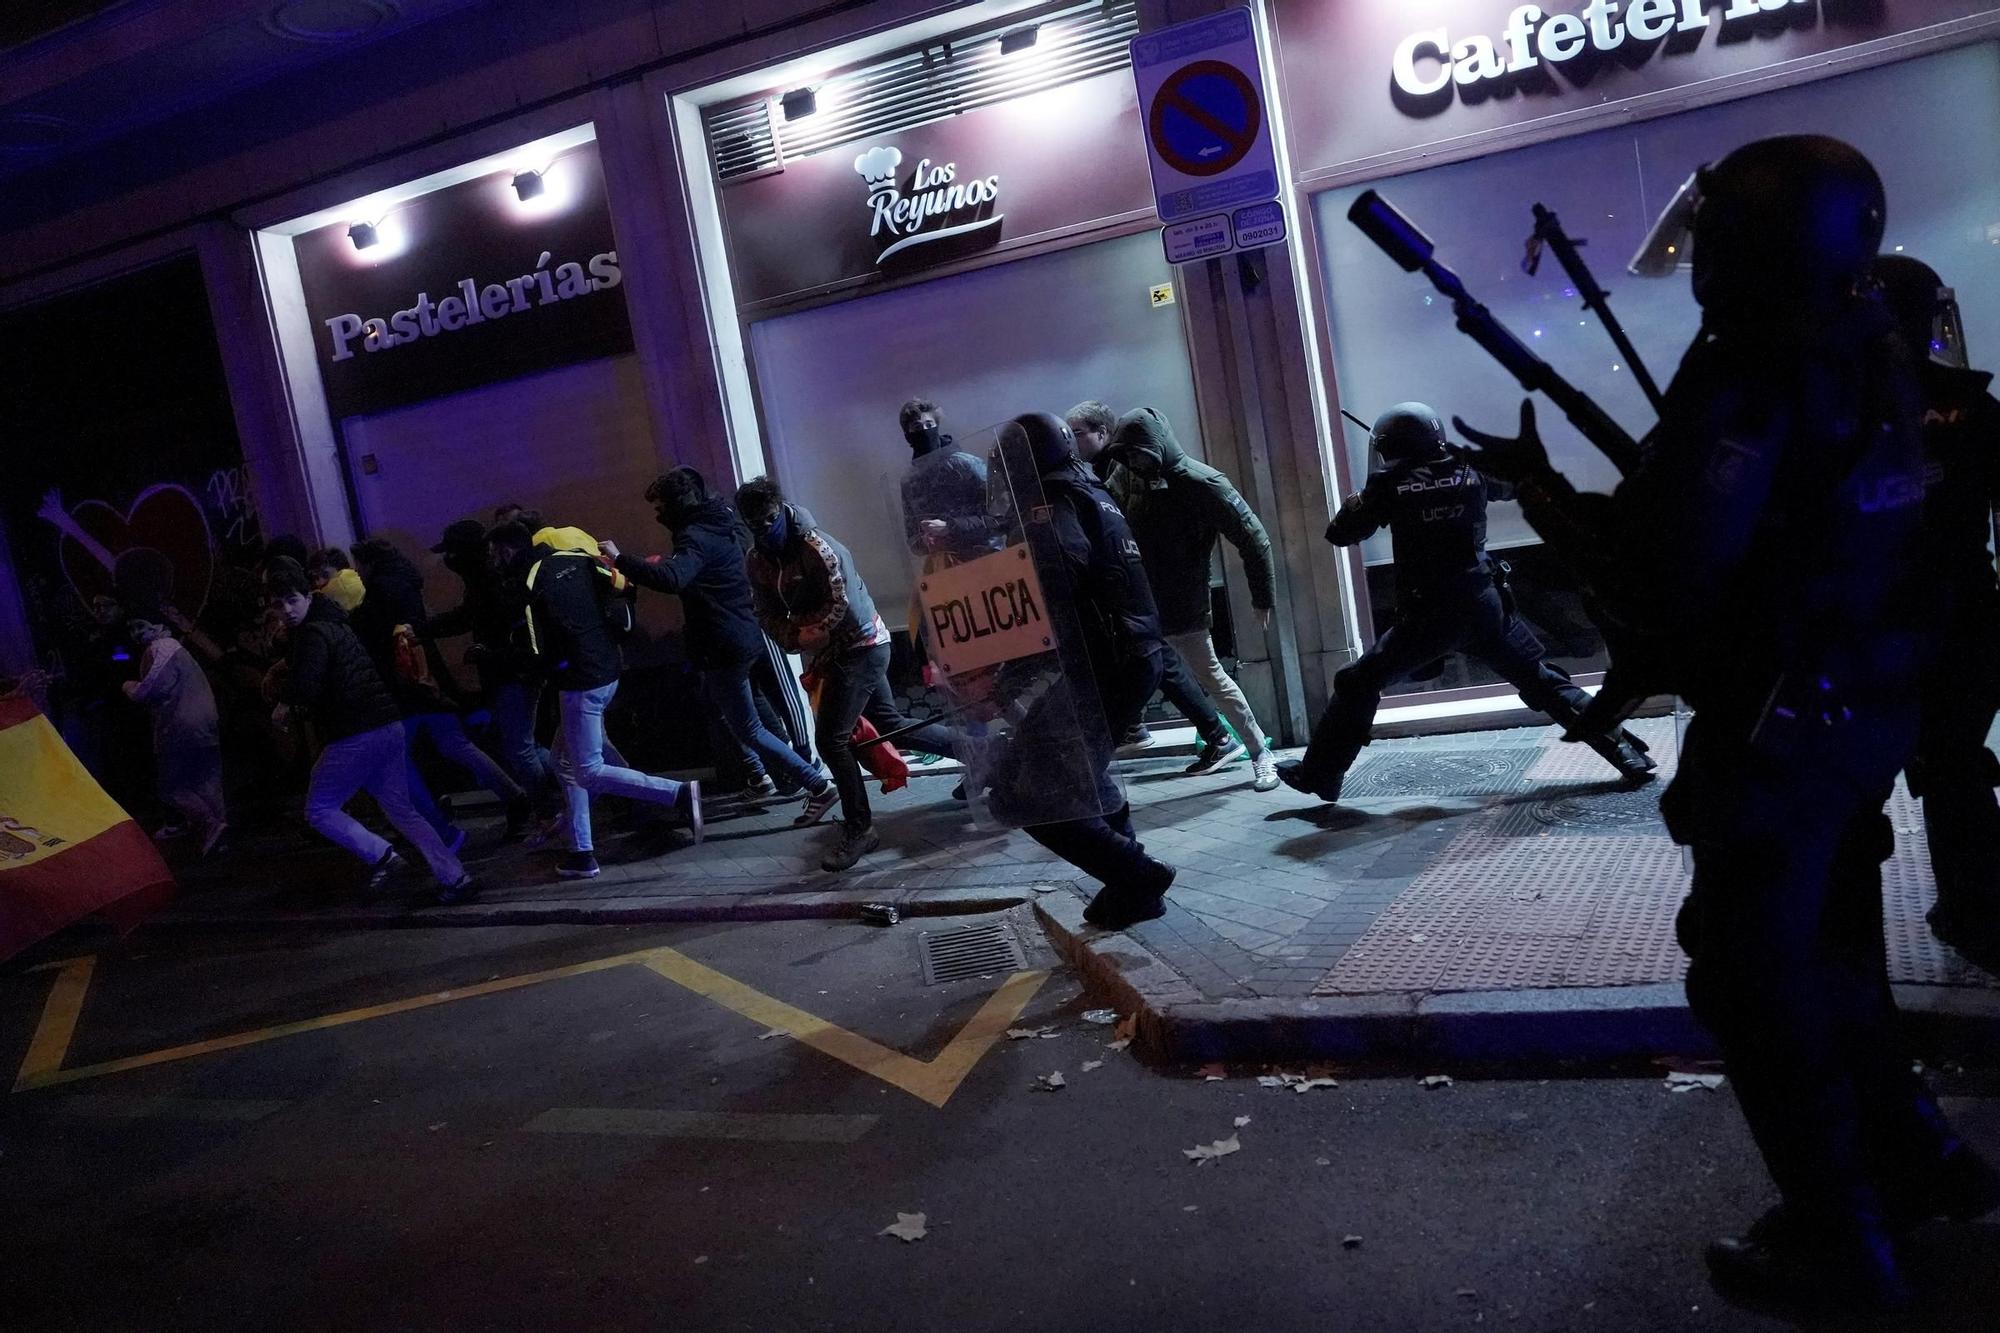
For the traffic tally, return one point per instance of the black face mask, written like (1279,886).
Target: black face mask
(923,439)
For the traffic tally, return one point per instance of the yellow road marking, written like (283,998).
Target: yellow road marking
(50,1044)
(932,1081)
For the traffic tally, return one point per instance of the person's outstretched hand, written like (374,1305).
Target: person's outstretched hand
(1504,458)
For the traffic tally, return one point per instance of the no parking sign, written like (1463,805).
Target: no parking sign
(1201,99)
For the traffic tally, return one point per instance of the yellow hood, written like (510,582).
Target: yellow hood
(344,589)
(575,541)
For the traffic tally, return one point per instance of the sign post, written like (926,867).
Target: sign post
(1208,136)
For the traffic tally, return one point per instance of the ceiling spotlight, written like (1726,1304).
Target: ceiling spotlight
(362,234)
(528,184)
(1020,39)
(798,103)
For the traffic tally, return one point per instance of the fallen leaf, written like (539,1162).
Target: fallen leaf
(1118,1045)
(1689,1082)
(1089,1065)
(1436,1080)
(1051,1082)
(1350,1242)
(1204,1153)
(906,1227)
(1242,1120)
(1101,1017)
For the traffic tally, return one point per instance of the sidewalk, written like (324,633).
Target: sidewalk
(1476,895)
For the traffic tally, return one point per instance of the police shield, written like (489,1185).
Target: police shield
(994,609)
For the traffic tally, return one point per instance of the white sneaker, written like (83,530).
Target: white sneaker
(1264,772)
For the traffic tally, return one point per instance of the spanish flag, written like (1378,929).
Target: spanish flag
(66,849)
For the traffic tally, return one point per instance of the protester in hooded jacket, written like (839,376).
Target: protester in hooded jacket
(707,572)
(330,677)
(1178,508)
(395,599)
(574,596)
(944,492)
(492,612)
(811,599)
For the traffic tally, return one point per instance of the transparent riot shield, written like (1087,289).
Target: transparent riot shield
(995,607)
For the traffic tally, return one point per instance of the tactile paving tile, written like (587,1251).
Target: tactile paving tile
(1439,772)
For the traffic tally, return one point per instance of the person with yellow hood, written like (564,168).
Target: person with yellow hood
(578,605)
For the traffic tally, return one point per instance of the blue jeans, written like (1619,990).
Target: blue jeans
(513,706)
(375,762)
(727,692)
(580,759)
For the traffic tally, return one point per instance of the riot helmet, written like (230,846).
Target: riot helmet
(1408,433)
(1048,438)
(1780,227)
(1925,310)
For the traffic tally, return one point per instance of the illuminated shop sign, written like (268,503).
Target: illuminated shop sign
(472,305)
(935,206)
(1430,60)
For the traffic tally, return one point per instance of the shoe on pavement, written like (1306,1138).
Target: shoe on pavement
(1128,902)
(763,789)
(1292,772)
(1849,1267)
(851,848)
(1209,758)
(384,869)
(464,891)
(1139,738)
(1264,772)
(818,802)
(689,804)
(578,865)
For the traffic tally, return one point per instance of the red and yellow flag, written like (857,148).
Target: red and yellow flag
(66,848)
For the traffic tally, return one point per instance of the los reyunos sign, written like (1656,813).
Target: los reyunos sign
(985,612)
(936,206)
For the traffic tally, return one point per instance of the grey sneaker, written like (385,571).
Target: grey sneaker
(817,804)
(851,848)
(1264,772)
(1209,758)
(385,870)
(762,789)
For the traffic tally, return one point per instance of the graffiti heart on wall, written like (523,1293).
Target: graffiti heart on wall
(163,529)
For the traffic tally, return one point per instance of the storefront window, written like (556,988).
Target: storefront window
(1931,126)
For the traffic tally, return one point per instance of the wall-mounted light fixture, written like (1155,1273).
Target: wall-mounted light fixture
(1020,39)
(528,185)
(362,234)
(799,103)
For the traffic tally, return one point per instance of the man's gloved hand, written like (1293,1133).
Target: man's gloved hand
(1507,459)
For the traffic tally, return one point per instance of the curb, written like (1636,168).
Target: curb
(654,910)
(1535,1028)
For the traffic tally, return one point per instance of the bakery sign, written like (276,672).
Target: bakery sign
(936,204)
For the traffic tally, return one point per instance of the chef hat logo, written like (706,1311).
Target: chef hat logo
(878,165)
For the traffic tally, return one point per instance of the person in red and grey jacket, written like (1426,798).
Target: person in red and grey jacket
(811,599)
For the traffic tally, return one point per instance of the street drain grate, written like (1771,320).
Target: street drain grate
(1440,772)
(1633,810)
(974,951)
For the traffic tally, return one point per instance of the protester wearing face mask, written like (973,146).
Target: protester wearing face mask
(943,492)
(706,571)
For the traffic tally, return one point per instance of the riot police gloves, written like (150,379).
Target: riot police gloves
(1502,459)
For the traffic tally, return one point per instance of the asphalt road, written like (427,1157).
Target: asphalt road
(609,1148)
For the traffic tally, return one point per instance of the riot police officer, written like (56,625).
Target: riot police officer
(1110,646)
(1953,771)
(1450,597)
(1768,547)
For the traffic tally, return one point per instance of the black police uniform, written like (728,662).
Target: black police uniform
(1434,505)
(1953,772)
(1772,534)
(1109,636)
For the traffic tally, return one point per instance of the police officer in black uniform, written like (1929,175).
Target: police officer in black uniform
(1109,641)
(1953,771)
(1450,598)
(1769,548)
